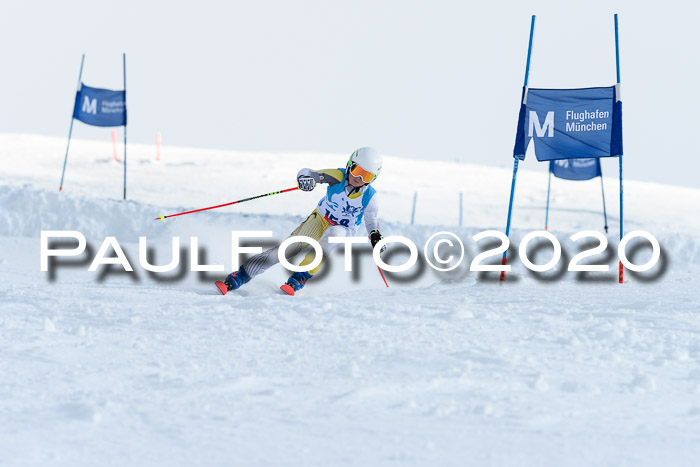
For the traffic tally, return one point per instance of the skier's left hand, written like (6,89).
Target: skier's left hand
(374,237)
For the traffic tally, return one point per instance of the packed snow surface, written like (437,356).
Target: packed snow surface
(453,368)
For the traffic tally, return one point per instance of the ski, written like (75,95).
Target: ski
(286,288)
(221,287)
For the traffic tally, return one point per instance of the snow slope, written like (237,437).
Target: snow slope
(111,368)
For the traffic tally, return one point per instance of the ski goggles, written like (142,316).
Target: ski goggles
(357,171)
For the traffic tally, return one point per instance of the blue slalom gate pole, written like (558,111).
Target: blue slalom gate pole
(621,270)
(413,211)
(549,186)
(605,213)
(124,63)
(617,51)
(70,132)
(510,212)
(516,158)
(529,50)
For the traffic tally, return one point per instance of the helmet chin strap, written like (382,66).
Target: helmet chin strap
(354,189)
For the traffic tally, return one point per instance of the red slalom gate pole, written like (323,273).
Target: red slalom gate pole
(160,218)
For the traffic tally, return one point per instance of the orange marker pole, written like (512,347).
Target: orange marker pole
(158,141)
(114,144)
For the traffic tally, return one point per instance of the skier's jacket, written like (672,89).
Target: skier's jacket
(345,204)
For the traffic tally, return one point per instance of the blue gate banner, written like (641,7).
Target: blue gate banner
(100,107)
(570,123)
(576,169)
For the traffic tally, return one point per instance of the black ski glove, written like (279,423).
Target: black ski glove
(374,237)
(306,183)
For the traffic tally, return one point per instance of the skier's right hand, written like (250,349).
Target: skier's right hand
(306,183)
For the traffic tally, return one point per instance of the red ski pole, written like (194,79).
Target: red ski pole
(380,272)
(227,204)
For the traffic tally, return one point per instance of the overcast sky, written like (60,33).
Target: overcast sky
(430,79)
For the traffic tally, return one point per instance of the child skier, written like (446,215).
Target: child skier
(349,200)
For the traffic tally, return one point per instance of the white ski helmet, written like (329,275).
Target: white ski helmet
(367,159)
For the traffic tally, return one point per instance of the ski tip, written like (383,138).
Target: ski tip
(287,289)
(221,287)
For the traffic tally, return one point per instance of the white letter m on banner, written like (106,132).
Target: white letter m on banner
(535,124)
(90,106)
